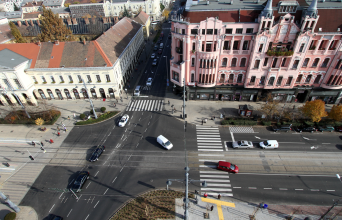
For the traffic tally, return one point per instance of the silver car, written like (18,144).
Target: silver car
(242,144)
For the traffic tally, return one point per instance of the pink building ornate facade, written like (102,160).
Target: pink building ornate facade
(243,50)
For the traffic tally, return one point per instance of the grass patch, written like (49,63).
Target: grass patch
(100,118)
(159,204)
(20,117)
(157,36)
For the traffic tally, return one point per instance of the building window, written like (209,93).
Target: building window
(215,31)
(271,81)
(194,46)
(256,64)
(89,78)
(43,79)
(52,79)
(229,31)
(284,62)
(203,31)
(261,47)
(280,79)
(299,79)
(325,62)
(243,62)
(208,47)
(194,31)
(193,61)
(231,78)
(289,80)
(209,31)
(295,64)
(332,44)
(192,77)
(70,79)
(338,64)
(315,62)
(308,78)
(239,79)
(98,78)
(265,61)
(252,80)
(107,78)
(245,45)
(306,61)
(287,8)
(249,31)
(183,31)
(318,78)
(236,45)
(301,48)
(79,78)
(274,64)
(34,79)
(238,31)
(226,45)
(61,79)
(18,83)
(234,62)
(201,63)
(262,80)
(175,76)
(224,62)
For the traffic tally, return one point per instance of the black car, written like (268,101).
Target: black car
(305,129)
(155,48)
(79,181)
(54,217)
(282,128)
(97,153)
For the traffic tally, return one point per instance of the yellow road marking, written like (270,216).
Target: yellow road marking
(219,205)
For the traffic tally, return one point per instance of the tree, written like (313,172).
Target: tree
(270,108)
(15,7)
(336,113)
(315,110)
(39,121)
(161,7)
(16,33)
(52,28)
(166,13)
(126,13)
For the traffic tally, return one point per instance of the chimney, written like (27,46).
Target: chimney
(56,42)
(19,23)
(26,23)
(38,43)
(84,41)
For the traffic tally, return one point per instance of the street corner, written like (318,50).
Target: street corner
(27,213)
(218,202)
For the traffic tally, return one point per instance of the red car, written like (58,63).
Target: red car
(160,51)
(226,166)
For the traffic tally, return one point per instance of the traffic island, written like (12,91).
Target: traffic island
(101,118)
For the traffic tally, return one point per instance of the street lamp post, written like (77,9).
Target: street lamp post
(187,180)
(91,103)
(184,98)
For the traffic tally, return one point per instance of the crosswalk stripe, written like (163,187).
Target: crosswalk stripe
(207,141)
(212,144)
(216,189)
(209,150)
(208,138)
(215,176)
(210,147)
(215,180)
(145,105)
(219,172)
(222,194)
(217,184)
(148,104)
(208,135)
(197,128)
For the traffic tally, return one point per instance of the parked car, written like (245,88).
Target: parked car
(149,82)
(79,181)
(307,129)
(338,128)
(242,144)
(155,62)
(326,128)
(97,153)
(285,128)
(123,121)
(160,51)
(153,55)
(226,166)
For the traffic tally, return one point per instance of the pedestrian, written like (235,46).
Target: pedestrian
(214,118)
(58,128)
(65,129)
(58,134)
(219,196)
(114,105)
(205,195)
(212,208)
(168,102)
(68,117)
(74,115)
(41,143)
(174,108)
(294,107)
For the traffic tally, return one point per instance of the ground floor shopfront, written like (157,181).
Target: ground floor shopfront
(299,95)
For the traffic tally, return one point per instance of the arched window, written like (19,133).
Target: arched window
(318,78)
(224,62)
(305,63)
(234,60)
(239,79)
(325,62)
(271,81)
(315,62)
(243,62)
(308,78)
(231,78)
(42,94)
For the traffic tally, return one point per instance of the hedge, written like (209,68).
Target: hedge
(309,123)
(99,119)
(266,123)
(10,216)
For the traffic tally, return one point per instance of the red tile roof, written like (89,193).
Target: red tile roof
(56,53)
(249,15)
(141,18)
(275,3)
(329,20)
(225,16)
(33,4)
(28,50)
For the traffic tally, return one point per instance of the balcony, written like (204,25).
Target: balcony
(279,52)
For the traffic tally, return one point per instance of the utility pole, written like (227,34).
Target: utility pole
(184,98)
(10,203)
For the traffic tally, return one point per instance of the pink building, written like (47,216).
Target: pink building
(244,50)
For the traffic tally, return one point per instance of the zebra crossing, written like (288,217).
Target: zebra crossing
(241,129)
(208,138)
(145,105)
(218,182)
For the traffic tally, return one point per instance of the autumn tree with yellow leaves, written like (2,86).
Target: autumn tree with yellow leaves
(315,110)
(336,113)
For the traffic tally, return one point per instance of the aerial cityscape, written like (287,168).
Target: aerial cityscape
(183,109)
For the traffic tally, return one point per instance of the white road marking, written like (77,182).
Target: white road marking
(61,195)
(86,217)
(237,187)
(97,203)
(331,190)
(69,213)
(209,160)
(219,147)
(51,208)
(88,185)
(326,143)
(280,174)
(252,188)
(225,145)
(267,188)
(282,189)
(217,184)
(208,150)
(219,172)
(216,180)
(105,191)
(315,190)
(231,134)
(257,137)
(121,169)
(137,145)
(97,173)
(114,179)
(216,189)
(216,176)
(209,155)
(298,189)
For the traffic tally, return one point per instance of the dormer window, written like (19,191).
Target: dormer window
(288,7)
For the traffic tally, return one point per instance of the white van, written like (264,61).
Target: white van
(269,144)
(161,46)
(137,91)
(164,142)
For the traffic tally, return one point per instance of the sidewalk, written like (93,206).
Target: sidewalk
(229,208)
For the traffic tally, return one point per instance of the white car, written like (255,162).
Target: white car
(242,144)
(155,62)
(123,121)
(149,82)
(153,55)
(163,141)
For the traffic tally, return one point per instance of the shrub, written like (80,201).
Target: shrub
(266,123)
(309,123)
(103,109)
(91,112)
(338,123)
(82,116)
(10,216)
(99,119)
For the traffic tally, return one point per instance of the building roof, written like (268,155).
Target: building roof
(83,1)
(5,33)
(10,59)
(53,3)
(28,50)
(329,20)
(32,15)
(141,18)
(32,4)
(114,41)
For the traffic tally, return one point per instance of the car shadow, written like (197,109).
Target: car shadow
(339,146)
